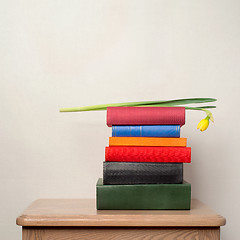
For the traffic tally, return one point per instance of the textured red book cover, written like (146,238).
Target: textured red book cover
(145,116)
(148,154)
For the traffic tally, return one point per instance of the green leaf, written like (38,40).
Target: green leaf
(199,108)
(174,102)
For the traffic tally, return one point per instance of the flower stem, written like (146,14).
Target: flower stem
(169,103)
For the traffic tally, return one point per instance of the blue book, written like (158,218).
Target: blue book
(146,131)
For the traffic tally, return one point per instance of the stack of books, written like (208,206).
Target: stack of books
(143,166)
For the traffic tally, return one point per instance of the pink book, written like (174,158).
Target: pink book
(145,116)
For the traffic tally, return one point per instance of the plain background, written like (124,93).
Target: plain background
(75,53)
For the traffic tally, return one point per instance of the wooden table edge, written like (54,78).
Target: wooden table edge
(51,215)
(81,221)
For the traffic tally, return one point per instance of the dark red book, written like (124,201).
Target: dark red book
(145,116)
(148,154)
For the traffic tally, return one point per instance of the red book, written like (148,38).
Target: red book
(145,116)
(148,154)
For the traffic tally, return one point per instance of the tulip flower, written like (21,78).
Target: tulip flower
(204,123)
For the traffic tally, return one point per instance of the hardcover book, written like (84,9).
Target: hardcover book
(147,141)
(145,116)
(148,154)
(115,173)
(147,131)
(143,196)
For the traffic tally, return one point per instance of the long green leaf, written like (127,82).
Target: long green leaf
(189,108)
(199,108)
(185,101)
(175,102)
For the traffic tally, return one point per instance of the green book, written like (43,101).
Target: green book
(143,196)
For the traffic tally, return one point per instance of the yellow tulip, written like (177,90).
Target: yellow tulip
(203,124)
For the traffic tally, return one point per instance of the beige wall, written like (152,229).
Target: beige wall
(73,53)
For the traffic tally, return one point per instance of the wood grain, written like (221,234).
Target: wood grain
(121,233)
(82,212)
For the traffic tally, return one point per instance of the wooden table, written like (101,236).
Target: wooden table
(75,219)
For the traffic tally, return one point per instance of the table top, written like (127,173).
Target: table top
(83,212)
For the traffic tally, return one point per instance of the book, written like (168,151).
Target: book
(146,131)
(145,116)
(115,173)
(143,196)
(147,141)
(147,154)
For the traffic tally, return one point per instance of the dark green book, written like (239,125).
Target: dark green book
(143,196)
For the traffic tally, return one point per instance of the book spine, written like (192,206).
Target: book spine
(145,116)
(143,196)
(115,173)
(146,131)
(147,141)
(148,154)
